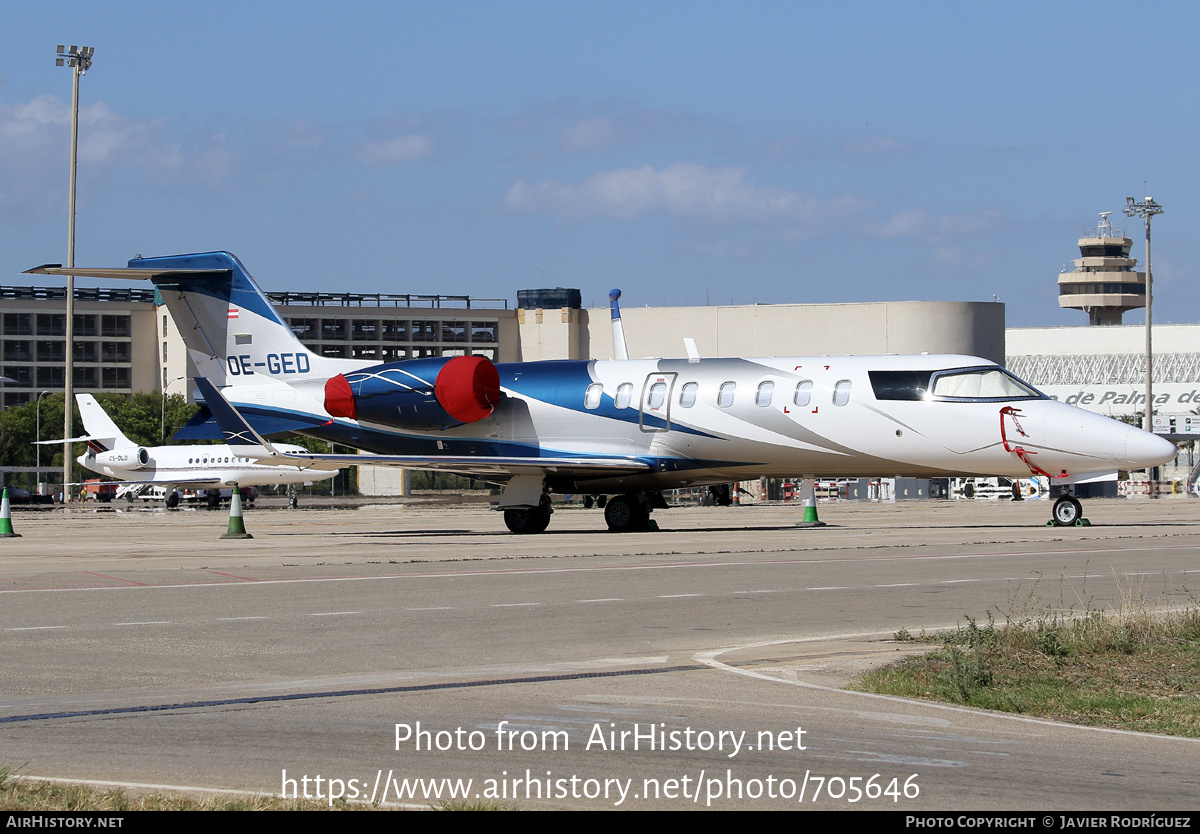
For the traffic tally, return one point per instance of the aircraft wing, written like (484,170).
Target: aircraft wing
(165,482)
(244,440)
(477,465)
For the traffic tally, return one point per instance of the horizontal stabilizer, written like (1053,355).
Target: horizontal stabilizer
(124,272)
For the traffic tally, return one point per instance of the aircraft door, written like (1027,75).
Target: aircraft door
(655,411)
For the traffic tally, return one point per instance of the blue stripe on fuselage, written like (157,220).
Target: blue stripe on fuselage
(563,383)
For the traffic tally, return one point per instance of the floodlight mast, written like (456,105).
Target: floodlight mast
(1146,209)
(80,61)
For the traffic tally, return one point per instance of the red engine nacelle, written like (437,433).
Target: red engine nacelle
(417,393)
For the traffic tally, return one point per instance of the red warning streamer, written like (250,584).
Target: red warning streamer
(1020,452)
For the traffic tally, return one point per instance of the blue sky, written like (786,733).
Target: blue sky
(685,152)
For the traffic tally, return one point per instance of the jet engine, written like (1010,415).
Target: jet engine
(128,458)
(418,394)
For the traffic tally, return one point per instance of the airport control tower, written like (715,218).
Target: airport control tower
(1103,282)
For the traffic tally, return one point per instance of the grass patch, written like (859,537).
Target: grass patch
(1131,670)
(31,795)
(474,805)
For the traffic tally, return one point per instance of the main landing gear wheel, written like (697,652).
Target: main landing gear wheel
(173,500)
(1068,512)
(528,521)
(625,514)
(213,499)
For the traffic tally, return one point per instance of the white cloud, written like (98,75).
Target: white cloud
(34,136)
(104,135)
(407,148)
(683,189)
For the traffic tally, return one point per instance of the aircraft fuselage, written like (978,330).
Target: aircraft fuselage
(698,422)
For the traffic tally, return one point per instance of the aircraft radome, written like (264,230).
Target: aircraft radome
(113,454)
(627,427)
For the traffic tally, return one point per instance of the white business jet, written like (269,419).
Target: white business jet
(628,428)
(113,454)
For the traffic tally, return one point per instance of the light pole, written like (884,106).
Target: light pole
(1146,209)
(163,419)
(38,410)
(80,61)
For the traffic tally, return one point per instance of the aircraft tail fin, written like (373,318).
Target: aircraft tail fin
(233,333)
(102,433)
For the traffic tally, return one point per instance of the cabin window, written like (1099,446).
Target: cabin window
(624,394)
(803,392)
(725,395)
(657,396)
(765,391)
(992,383)
(591,399)
(841,392)
(687,396)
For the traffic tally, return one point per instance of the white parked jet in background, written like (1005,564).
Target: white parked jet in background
(113,454)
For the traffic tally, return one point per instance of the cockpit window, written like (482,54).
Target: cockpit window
(900,385)
(991,383)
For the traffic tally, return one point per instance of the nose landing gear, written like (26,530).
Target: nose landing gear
(1067,512)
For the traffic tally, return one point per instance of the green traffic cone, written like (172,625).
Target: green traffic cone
(810,506)
(237,527)
(6,530)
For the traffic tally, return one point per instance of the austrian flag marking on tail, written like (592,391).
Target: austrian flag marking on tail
(233,312)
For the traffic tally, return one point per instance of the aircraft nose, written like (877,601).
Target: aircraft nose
(1144,449)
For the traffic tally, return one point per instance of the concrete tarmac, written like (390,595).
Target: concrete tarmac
(699,666)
